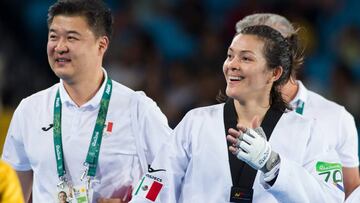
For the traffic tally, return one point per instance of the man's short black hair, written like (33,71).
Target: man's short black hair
(97,14)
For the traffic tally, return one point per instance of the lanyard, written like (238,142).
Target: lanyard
(94,147)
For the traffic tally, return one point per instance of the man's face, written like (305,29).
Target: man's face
(73,50)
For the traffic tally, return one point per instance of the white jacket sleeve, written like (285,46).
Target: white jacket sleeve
(348,136)
(317,179)
(174,157)
(14,151)
(150,127)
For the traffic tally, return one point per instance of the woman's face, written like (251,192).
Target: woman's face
(245,69)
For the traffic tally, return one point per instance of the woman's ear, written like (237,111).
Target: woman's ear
(277,72)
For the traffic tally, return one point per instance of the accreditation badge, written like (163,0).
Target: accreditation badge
(82,194)
(64,194)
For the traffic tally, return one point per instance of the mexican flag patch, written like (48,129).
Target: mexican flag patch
(148,188)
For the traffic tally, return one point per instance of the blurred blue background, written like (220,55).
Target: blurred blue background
(174,49)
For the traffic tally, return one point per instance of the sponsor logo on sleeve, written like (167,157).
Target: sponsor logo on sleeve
(332,173)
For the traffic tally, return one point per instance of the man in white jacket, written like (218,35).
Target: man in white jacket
(88,136)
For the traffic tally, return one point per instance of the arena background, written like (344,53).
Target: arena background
(174,49)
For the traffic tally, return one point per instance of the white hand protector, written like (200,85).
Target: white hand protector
(253,148)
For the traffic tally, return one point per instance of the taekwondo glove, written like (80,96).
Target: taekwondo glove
(256,151)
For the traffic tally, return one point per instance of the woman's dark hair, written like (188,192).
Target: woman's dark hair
(277,51)
(283,25)
(97,14)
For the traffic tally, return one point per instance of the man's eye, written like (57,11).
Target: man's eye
(72,38)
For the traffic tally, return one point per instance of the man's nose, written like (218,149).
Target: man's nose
(61,46)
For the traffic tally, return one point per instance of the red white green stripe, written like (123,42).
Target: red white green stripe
(148,188)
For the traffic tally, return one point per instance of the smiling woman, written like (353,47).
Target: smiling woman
(257,64)
(245,68)
(246,71)
(252,166)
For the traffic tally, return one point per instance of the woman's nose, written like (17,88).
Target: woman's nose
(233,66)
